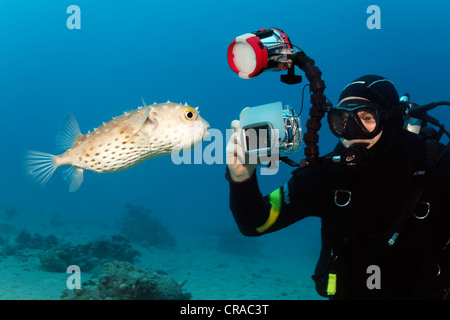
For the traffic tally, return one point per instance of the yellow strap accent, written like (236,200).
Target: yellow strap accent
(275,199)
(331,288)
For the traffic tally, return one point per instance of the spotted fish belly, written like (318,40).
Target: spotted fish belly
(108,155)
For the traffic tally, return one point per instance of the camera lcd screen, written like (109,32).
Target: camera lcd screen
(257,138)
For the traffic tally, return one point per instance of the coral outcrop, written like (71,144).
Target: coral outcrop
(88,256)
(139,226)
(35,241)
(26,240)
(125,281)
(232,242)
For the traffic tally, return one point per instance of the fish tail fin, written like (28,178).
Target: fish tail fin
(39,166)
(67,134)
(74,178)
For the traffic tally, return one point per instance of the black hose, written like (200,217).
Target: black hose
(417,111)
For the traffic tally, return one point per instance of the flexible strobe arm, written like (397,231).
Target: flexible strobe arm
(318,108)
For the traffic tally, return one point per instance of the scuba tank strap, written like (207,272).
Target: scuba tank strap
(411,203)
(421,180)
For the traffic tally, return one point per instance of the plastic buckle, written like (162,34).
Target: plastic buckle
(426,214)
(344,203)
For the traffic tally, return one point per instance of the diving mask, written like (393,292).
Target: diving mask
(356,119)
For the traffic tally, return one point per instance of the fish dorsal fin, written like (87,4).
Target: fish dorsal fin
(143,102)
(67,134)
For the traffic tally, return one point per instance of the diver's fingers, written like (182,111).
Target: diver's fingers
(235,153)
(237,138)
(239,154)
(239,151)
(235,125)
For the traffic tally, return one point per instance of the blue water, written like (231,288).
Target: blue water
(176,50)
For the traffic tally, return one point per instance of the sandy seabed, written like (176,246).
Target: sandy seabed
(210,274)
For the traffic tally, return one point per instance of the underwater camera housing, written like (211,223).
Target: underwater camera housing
(271,49)
(253,53)
(270,128)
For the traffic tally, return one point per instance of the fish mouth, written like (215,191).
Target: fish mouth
(206,133)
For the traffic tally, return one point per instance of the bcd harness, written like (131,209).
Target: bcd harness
(421,180)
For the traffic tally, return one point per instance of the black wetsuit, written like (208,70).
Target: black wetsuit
(353,234)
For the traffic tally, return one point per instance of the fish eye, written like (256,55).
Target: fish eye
(189,114)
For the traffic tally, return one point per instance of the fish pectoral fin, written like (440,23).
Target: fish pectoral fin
(139,118)
(150,124)
(68,133)
(74,178)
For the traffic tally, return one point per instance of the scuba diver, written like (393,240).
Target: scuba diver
(363,199)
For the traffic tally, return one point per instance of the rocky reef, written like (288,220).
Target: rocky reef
(232,242)
(89,256)
(125,281)
(35,241)
(26,240)
(139,226)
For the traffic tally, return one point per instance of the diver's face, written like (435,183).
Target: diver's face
(370,142)
(369,121)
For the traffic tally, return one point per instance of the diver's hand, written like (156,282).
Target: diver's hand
(236,160)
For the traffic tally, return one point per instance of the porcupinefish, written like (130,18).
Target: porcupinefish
(121,143)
